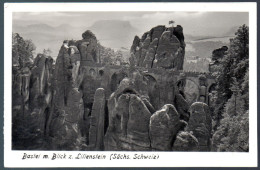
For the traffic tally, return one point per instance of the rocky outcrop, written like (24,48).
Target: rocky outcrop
(185,141)
(165,53)
(161,47)
(182,107)
(157,32)
(135,44)
(32,95)
(64,126)
(20,92)
(163,128)
(97,129)
(150,54)
(41,91)
(200,124)
(128,120)
(62,77)
(84,105)
(88,47)
(32,91)
(134,124)
(67,104)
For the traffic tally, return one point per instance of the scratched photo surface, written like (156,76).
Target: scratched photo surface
(130,81)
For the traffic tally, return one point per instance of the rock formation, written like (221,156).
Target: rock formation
(160,47)
(83,105)
(163,128)
(185,141)
(67,104)
(128,120)
(200,124)
(41,88)
(64,126)
(97,123)
(32,95)
(87,47)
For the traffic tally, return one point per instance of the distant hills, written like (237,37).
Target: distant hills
(111,33)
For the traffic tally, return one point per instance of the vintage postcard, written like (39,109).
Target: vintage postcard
(130,85)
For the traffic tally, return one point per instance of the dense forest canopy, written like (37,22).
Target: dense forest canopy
(231,109)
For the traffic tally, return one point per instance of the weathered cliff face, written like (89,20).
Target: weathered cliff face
(87,47)
(128,123)
(128,120)
(32,95)
(67,109)
(160,47)
(41,89)
(200,124)
(83,105)
(163,128)
(135,125)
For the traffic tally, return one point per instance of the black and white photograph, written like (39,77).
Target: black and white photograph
(133,83)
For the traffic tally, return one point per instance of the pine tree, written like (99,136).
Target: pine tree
(22,50)
(234,64)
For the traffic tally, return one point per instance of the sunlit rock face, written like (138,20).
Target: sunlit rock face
(160,47)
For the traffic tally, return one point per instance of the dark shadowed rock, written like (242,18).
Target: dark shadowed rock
(67,105)
(163,128)
(182,107)
(178,32)
(21,91)
(41,89)
(144,36)
(167,49)
(118,117)
(128,120)
(200,124)
(185,141)
(88,47)
(157,31)
(135,44)
(41,78)
(150,55)
(62,77)
(64,127)
(144,49)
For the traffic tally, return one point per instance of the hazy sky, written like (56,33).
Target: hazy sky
(194,23)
